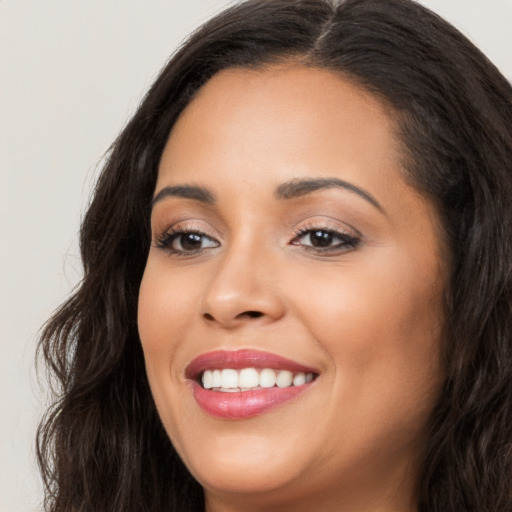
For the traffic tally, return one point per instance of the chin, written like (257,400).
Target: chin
(244,462)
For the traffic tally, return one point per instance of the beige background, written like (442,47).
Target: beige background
(71,73)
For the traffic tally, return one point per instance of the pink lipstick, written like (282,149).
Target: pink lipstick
(245,383)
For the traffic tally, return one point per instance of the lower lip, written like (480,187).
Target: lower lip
(244,404)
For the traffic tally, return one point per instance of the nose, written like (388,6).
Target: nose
(242,290)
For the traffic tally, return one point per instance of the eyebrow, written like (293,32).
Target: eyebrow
(185,191)
(300,187)
(289,190)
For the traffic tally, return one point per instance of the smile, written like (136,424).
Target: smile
(230,380)
(245,383)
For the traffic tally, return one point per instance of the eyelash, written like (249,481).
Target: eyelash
(166,239)
(347,241)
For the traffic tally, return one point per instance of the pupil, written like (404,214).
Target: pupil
(190,241)
(321,238)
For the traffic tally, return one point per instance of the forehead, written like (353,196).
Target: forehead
(283,117)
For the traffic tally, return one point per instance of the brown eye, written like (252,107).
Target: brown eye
(321,238)
(186,242)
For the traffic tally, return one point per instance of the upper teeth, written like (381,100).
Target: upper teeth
(250,378)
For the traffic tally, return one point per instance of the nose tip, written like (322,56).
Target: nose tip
(237,296)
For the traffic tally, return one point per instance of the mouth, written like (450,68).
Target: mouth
(245,383)
(229,380)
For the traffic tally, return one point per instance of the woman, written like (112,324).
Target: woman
(297,277)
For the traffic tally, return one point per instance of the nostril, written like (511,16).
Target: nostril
(251,314)
(246,314)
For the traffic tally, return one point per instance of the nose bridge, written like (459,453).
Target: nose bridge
(243,284)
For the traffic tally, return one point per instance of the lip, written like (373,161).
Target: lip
(243,404)
(245,358)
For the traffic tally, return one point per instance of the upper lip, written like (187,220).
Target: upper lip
(244,358)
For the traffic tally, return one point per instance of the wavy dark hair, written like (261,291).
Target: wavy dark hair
(102,447)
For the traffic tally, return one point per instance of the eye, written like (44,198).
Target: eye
(324,240)
(186,242)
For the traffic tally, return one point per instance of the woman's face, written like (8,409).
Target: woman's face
(287,245)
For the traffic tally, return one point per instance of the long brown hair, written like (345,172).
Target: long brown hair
(101,446)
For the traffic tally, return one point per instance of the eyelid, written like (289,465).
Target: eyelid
(349,238)
(193,225)
(165,235)
(168,237)
(328,224)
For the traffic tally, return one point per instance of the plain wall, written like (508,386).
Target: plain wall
(71,73)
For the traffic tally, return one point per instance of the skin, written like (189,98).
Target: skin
(367,316)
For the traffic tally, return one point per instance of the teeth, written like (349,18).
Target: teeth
(230,381)
(207,379)
(299,379)
(267,378)
(284,379)
(248,378)
(217,379)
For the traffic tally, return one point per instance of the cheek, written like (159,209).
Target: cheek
(357,308)
(165,313)
(387,299)
(380,325)
(165,309)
